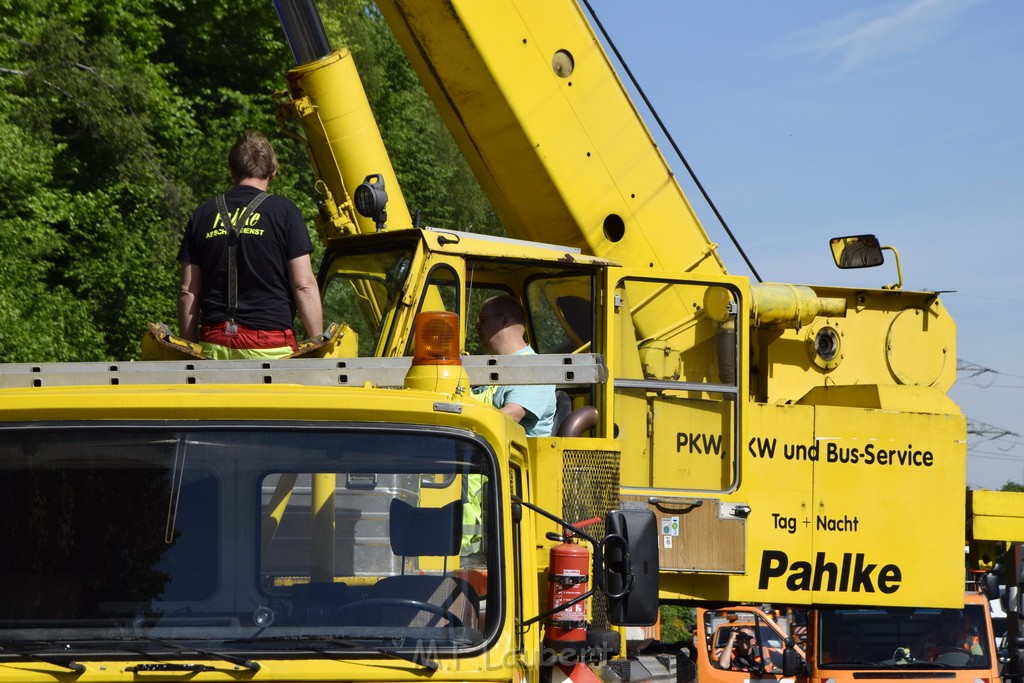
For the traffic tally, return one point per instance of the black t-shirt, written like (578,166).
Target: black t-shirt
(270,238)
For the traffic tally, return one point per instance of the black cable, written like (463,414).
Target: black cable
(679,153)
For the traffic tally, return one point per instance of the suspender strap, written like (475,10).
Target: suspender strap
(233,229)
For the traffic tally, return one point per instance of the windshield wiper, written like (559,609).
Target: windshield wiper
(71,664)
(416,657)
(850,664)
(231,659)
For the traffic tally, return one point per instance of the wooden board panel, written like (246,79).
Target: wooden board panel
(694,535)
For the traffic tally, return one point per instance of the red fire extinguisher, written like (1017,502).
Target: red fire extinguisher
(568,574)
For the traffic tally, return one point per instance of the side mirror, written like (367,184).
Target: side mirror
(631,567)
(792,663)
(856,251)
(991,586)
(1015,653)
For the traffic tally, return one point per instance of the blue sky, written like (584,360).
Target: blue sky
(807,119)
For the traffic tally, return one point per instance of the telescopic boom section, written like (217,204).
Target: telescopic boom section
(345,145)
(532,100)
(303,29)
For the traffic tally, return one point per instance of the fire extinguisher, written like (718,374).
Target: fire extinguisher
(568,574)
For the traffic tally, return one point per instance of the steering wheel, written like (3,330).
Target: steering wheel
(403,602)
(954,656)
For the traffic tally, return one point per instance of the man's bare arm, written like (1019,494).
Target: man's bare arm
(725,659)
(189,286)
(307,295)
(514,410)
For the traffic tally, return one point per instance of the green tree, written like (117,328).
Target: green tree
(115,121)
(92,193)
(677,623)
(433,175)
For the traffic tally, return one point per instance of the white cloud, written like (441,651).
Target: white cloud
(860,38)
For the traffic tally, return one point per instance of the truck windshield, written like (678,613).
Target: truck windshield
(249,537)
(902,638)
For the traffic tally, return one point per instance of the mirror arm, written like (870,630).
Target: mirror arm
(564,605)
(899,271)
(598,554)
(558,520)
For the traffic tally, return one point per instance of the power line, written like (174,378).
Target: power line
(991,385)
(982,433)
(987,298)
(990,432)
(973,370)
(975,456)
(989,455)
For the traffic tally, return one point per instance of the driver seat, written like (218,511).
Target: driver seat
(427,532)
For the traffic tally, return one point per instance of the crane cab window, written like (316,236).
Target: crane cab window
(476,295)
(562,312)
(677,332)
(440,293)
(362,290)
(558,303)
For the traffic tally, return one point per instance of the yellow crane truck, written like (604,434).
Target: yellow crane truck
(354,514)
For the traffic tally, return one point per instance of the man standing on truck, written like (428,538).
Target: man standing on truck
(245,265)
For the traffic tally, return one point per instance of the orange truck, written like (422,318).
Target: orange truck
(848,645)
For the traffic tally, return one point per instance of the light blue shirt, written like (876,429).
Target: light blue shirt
(538,400)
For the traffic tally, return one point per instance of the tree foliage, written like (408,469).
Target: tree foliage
(430,167)
(677,623)
(115,121)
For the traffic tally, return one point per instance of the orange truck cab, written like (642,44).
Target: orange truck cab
(763,660)
(852,645)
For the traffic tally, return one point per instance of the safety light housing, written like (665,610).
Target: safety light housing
(436,363)
(437,339)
